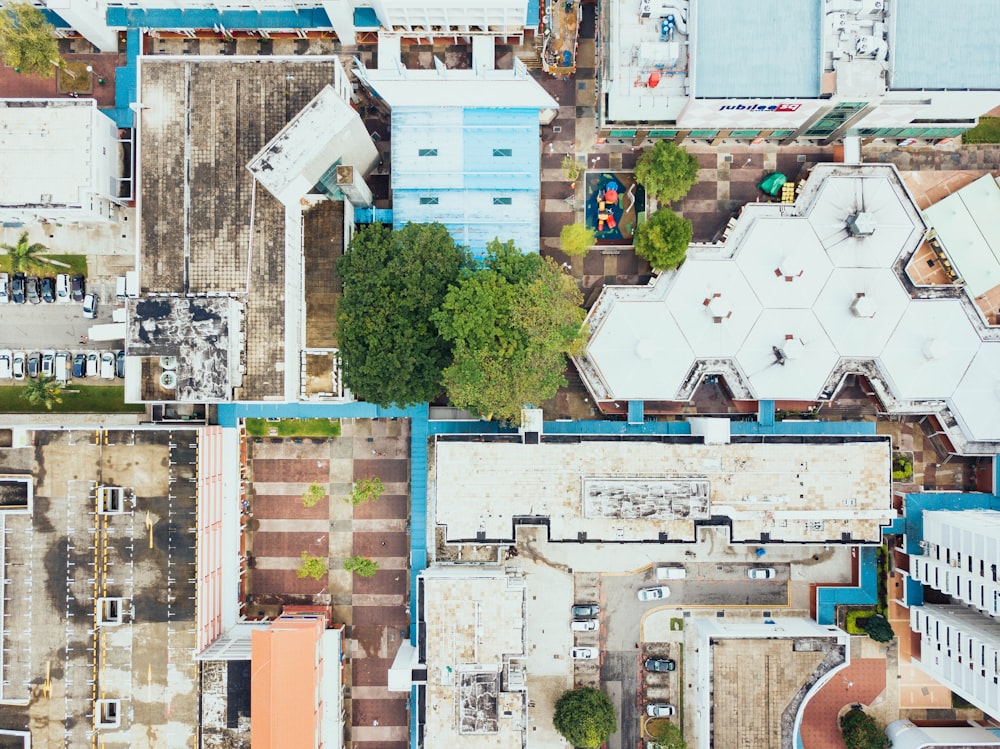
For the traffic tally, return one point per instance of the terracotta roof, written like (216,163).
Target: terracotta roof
(284,677)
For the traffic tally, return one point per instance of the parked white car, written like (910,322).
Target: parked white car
(6,370)
(670,573)
(660,710)
(654,594)
(585,625)
(4,288)
(48,363)
(107,366)
(584,654)
(62,288)
(20,363)
(761,573)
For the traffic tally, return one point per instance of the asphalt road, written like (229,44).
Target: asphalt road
(620,679)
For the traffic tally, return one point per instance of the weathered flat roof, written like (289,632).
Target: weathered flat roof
(636,490)
(473,621)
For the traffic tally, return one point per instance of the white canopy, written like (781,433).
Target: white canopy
(860,326)
(930,349)
(968,227)
(717,328)
(874,201)
(976,402)
(783,261)
(640,352)
(787,356)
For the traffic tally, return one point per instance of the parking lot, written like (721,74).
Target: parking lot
(55,326)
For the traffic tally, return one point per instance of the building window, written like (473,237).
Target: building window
(662,133)
(622,134)
(781,133)
(503,201)
(503,152)
(744,133)
(427,152)
(703,133)
(108,713)
(429,201)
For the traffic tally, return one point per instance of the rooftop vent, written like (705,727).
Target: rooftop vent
(863,306)
(718,308)
(168,380)
(935,348)
(861,224)
(793,348)
(790,268)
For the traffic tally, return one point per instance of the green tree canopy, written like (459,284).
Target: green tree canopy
(576,239)
(663,240)
(43,391)
(24,255)
(366,490)
(27,41)
(878,628)
(667,171)
(393,282)
(314,567)
(511,322)
(361,566)
(585,717)
(860,731)
(668,735)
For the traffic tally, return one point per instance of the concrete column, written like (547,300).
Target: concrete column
(341,15)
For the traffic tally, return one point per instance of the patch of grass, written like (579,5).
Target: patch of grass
(71,264)
(676,624)
(74,76)
(76,399)
(852,626)
(294,427)
(987,131)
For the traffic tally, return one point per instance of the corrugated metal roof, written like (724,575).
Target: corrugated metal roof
(474,170)
(766,49)
(952,46)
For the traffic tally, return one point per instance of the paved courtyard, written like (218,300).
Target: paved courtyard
(281,528)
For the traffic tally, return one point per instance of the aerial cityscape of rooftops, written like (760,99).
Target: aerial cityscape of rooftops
(511,374)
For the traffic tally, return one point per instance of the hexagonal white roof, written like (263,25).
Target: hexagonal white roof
(787,356)
(976,401)
(640,352)
(783,261)
(930,349)
(877,204)
(714,306)
(859,308)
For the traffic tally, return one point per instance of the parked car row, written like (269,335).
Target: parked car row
(18,365)
(62,288)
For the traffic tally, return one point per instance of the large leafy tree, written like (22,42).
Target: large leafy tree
(393,282)
(28,41)
(24,255)
(668,735)
(878,628)
(585,717)
(511,321)
(667,171)
(664,239)
(43,391)
(860,731)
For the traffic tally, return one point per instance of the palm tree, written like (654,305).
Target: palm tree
(22,255)
(43,391)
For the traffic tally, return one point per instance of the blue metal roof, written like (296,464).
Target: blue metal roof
(365,18)
(952,46)
(756,48)
(532,16)
(474,170)
(207,18)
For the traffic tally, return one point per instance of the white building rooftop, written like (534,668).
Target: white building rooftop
(639,490)
(784,262)
(860,308)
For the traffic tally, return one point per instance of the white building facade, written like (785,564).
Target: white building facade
(961,649)
(961,556)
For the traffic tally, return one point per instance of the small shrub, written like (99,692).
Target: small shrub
(576,239)
(855,621)
(361,566)
(314,567)
(902,467)
(313,495)
(572,167)
(860,731)
(366,490)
